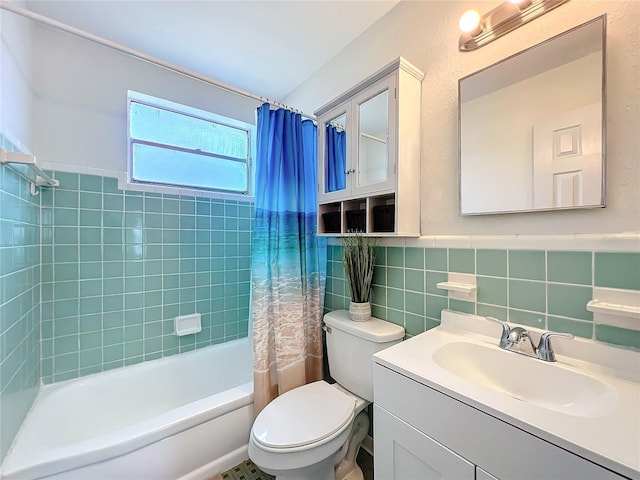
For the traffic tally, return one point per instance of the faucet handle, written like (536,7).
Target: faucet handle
(545,350)
(504,338)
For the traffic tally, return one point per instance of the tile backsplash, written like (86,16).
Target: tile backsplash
(19,301)
(541,288)
(119,266)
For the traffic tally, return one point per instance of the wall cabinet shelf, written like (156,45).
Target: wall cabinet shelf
(369,156)
(374,215)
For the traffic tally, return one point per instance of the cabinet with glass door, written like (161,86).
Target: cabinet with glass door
(369,156)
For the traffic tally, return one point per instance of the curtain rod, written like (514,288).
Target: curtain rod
(136,54)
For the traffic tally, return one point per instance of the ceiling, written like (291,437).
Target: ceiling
(266,47)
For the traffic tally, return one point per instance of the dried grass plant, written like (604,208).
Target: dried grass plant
(358,258)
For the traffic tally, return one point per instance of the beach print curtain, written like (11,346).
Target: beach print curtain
(288,265)
(335,178)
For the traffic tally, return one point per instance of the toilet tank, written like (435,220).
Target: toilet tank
(350,348)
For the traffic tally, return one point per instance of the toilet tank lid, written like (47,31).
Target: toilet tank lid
(374,330)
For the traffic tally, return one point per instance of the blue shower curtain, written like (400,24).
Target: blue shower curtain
(288,259)
(336,159)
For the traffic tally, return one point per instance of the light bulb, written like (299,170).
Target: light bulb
(470,22)
(521,3)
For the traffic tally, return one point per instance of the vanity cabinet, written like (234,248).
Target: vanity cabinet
(369,156)
(420,432)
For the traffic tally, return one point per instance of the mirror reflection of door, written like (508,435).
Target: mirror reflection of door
(373,153)
(513,107)
(567,159)
(336,169)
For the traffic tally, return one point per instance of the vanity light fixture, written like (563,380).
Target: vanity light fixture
(479,30)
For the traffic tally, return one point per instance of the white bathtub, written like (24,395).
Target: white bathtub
(185,416)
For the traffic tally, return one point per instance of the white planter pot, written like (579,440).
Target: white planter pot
(360,312)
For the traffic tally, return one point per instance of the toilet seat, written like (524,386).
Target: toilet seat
(303,418)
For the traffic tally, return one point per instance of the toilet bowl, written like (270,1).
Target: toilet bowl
(314,432)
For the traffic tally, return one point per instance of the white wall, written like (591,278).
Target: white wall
(80,111)
(15,80)
(426,33)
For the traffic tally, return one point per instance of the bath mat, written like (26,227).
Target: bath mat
(245,471)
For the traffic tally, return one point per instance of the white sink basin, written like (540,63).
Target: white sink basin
(530,380)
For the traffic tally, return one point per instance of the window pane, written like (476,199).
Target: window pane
(157,125)
(161,165)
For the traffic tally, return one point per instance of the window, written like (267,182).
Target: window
(176,145)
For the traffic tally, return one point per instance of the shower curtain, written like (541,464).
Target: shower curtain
(288,267)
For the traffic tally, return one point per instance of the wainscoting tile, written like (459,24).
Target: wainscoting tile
(569,301)
(492,263)
(527,264)
(526,295)
(617,270)
(570,267)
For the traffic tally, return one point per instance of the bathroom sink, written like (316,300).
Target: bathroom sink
(586,402)
(547,385)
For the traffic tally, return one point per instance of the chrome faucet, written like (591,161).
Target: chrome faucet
(519,334)
(511,337)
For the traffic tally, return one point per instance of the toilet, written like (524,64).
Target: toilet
(314,432)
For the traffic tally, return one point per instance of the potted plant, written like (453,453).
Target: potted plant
(358,258)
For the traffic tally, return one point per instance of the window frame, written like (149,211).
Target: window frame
(181,109)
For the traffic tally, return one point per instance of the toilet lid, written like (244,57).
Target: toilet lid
(303,416)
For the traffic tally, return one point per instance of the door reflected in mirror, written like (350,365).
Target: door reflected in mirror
(532,127)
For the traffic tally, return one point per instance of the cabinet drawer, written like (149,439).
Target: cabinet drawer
(505,451)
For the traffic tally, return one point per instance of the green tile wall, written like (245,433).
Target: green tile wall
(545,289)
(119,266)
(19,301)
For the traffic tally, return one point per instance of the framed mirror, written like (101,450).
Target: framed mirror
(532,127)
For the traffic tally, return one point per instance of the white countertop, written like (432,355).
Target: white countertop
(611,439)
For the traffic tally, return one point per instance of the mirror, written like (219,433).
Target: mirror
(532,127)
(373,151)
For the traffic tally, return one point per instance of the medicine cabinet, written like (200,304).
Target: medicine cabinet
(369,156)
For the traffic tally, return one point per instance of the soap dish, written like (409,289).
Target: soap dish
(187,324)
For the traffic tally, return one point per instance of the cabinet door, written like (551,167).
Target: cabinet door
(404,453)
(375,132)
(335,166)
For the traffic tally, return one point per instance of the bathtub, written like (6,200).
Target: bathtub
(185,416)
